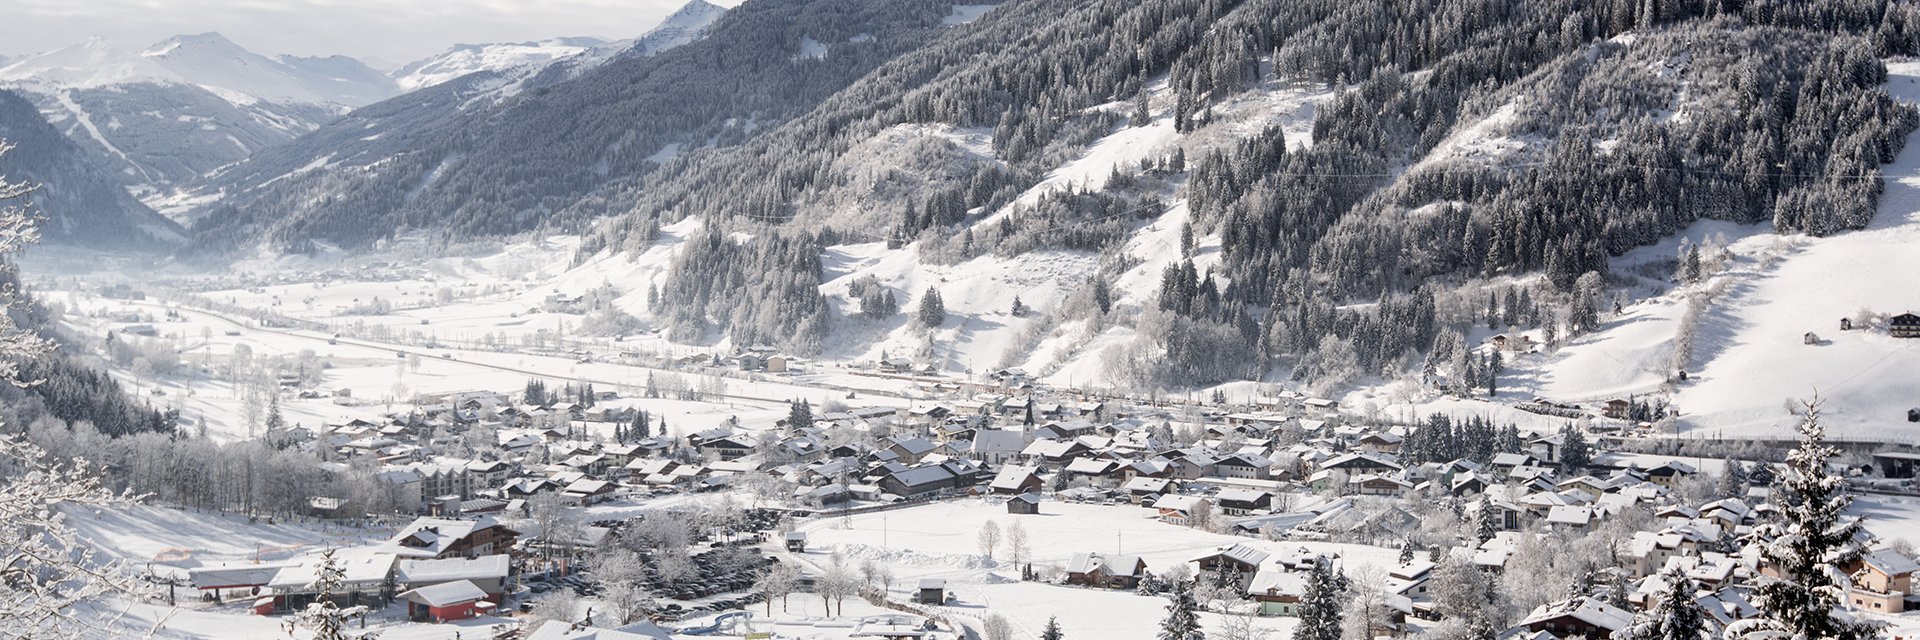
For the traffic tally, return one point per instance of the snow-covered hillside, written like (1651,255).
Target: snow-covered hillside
(174,111)
(463,59)
(207,60)
(1748,356)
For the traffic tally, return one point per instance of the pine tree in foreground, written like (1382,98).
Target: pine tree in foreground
(1320,606)
(1806,546)
(1181,622)
(1677,616)
(1052,631)
(327,620)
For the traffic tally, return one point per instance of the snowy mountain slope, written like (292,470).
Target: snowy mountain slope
(79,196)
(181,108)
(463,59)
(1747,357)
(207,60)
(556,136)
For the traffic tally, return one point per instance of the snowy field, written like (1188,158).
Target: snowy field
(942,541)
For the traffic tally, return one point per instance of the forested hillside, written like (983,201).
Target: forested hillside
(539,157)
(1455,147)
(82,199)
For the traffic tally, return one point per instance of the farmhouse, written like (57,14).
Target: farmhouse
(1112,571)
(1580,617)
(1905,325)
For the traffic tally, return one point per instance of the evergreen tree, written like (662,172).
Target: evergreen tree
(1406,551)
(1807,544)
(1575,454)
(1052,630)
(1018,309)
(932,311)
(1618,591)
(1486,521)
(799,414)
(1677,616)
(1181,623)
(275,421)
(1690,269)
(1320,606)
(639,430)
(325,619)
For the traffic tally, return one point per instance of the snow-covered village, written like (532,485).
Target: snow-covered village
(915,320)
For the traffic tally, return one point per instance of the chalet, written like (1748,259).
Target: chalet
(1571,518)
(1505,463)
(910,450)
(1111,571)
(1053,452)
(1618,409)
(1360,463)
(1025,504)
(915,482)
(1379,442)
(1580,617)
(1467,483)
(1278,591)
(446,602)
(1242,501)
(1882,580)
(1179,509)
(1098,470)
(1245,466)
(1548,448)
(589,491)
(1238,560)
(1016,479)
(1905,325)
(446,538)
(1142,488)
(1368,484)
(1410,579)
(729,447)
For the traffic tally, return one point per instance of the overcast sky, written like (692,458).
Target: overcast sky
(394,31)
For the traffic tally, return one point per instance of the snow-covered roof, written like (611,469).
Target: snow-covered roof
(1012,475)
(1890,562)
(449,569)
(1112,564)
(1588,610)
(446,593)
(1239,553)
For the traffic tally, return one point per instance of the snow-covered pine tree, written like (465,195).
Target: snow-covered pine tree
(1676,617)
(1406,551)
(1181,623)
(932,311)
(1806,546)
(1320,606)
(1052,630)
(1575,454)
(1484,521)
(327,620)
(275,421)
(799,414)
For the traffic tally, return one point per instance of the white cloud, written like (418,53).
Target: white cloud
(392,30)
